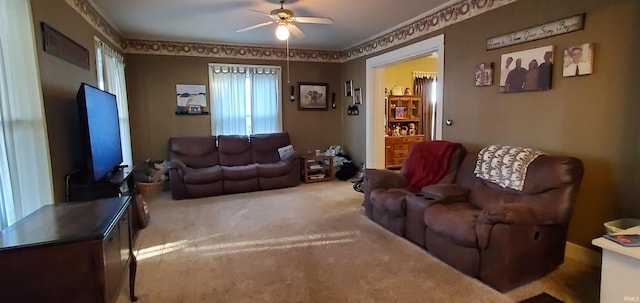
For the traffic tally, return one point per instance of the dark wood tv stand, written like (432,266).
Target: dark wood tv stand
(80,187)
(69,252)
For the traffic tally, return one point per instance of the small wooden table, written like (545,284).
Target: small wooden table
(316,168)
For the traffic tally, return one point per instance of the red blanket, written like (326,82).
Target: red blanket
(428,162)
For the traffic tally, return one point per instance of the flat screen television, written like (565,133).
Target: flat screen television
(100,131)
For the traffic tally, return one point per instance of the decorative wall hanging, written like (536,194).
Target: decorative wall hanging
(63,47)
(357,96)
(484,74)
(191,99)
(578,60)
(353,110)
(558,27)
(526,70)
(312,96)
(348,88)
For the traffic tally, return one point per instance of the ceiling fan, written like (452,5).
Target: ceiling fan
(287,22)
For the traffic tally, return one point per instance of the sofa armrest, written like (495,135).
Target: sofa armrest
(510,214)
(379,178)
(445,193)
(176,166)
(517,213)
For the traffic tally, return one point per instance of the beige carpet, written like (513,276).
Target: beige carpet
(310,243)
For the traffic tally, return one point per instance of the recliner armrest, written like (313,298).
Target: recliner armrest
(517,213)
(446,193)
(510,214)
(178,166)
(379,178)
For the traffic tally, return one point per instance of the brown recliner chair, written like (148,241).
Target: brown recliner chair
(194,169)
(503,236)
(385,193)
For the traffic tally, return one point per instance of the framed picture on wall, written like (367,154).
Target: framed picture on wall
(484,74)
(312,96)
(578,60)
(348,88)
(526,70)
(357,96)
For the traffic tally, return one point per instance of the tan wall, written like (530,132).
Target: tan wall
(594,118)
(401,74)
(353,127)
(151,85)
(60,81)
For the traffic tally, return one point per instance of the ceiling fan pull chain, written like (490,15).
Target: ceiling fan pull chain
(288,61)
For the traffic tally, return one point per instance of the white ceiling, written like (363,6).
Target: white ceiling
(216,21)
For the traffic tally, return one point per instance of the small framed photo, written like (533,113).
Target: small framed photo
(312,96)
(357,96)
(348,88)
(578,60)
(484,74)
(195,109)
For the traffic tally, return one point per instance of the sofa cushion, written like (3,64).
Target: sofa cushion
(264,147)
(456,221)
(203,175)
(194,152)
(271,170)
(234,150)
(240,172)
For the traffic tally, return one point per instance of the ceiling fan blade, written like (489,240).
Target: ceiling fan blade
(318,20)
(254,26)
(295,31)
(262,13)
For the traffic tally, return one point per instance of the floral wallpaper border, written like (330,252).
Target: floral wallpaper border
(453,14)
(226,51)
(91,15)
(450,15)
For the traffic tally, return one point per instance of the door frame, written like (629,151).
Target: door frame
(374,117)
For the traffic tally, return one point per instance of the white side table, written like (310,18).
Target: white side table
(620,272)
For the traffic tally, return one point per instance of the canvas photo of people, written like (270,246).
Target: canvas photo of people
(484,74)
(526,70)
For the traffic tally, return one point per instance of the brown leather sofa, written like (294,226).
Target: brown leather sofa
(504,237)
(209,165)
(385,191)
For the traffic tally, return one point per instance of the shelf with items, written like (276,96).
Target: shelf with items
(404,116)
(404,127)
(316,168)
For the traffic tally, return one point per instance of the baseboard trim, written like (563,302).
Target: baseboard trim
(583,254)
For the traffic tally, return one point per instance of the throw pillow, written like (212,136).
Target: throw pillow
(286,151)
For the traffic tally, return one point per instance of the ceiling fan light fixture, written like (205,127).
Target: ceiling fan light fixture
(282,32)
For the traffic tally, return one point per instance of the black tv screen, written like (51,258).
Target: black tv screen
(100,130)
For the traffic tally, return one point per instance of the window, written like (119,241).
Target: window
(25,169)
(245,99)
(110,67)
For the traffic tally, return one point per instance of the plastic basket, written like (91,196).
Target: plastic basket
(620,225)
(149,189)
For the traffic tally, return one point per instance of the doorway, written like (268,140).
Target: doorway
(374,118)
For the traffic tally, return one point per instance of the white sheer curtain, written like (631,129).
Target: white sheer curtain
(114,81)
(266,110)
(228,100)
(25,168)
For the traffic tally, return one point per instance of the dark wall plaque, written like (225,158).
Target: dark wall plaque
(63,47)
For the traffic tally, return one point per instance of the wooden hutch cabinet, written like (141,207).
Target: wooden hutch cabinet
(404,127)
